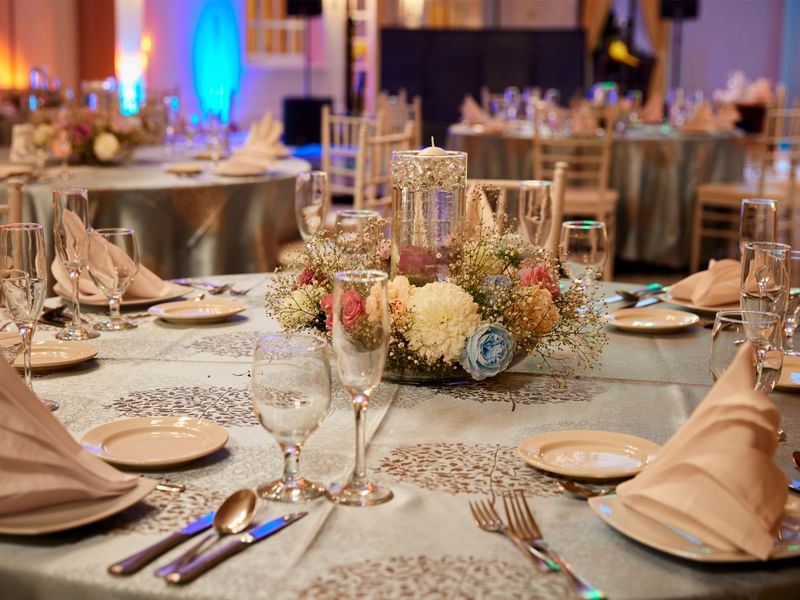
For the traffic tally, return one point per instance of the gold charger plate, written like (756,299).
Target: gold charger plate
(679,543)
(154,441)
(73,514)
(701,309)
(192,312)
(171,292)
(650,320)
(586,454)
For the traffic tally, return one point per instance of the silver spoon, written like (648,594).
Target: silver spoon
(233,516)
(582,492)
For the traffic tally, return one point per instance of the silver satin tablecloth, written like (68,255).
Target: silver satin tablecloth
(185,226)
(437,448)
(656,175)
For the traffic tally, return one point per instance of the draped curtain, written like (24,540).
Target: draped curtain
(658,30)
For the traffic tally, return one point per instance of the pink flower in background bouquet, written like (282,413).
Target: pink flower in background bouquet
(539,274)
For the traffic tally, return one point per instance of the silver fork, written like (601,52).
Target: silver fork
(522,524)
(486,518)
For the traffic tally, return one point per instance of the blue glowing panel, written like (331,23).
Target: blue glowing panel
(215,58)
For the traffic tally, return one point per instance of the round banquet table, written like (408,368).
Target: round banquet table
(655,171)
(437,448)
(185,226)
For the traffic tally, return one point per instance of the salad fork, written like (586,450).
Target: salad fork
(522,524)
(486,518)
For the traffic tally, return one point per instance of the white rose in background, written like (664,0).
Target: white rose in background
(106,146)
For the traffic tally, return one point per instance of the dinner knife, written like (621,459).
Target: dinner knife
(255,534)
(137,561)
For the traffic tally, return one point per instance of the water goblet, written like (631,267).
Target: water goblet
(360,341)
(310,202)
(792,304)
(23,275)
(291,397)
(758,221)
(536,210)
(583,250)
(765,277)
(71,233)
(113,263)
(351,227)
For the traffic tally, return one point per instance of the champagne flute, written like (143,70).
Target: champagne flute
(361,342)
(23,273)
(351,230)
(765,277)
(291,397)
(310,202)
(583,250)
(758,221)
(113,263)
(61,148)
(536,210)
(71,232)
(793,303)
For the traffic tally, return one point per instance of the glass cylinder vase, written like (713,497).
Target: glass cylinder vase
(428,206)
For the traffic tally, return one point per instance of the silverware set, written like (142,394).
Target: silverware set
(213,288)
(521,528)
(638,298)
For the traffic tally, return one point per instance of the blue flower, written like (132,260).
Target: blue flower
(488,351)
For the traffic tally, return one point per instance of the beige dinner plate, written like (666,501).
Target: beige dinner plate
(673,541)
(48,355)
(587,454)
(73,514)
(171,292)
(11,170)
(651,320)
(790,373)
(239,170)
(206,155)
(699,308)
(184,168)
(154,441)
(193,312)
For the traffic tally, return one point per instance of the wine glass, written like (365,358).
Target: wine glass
(536,210)
(732,328)
(361,342)
(23,274)
(351,228)
(71,232)
(758,221)
(583,250)
(765,277)
(291,397)
(793,303)
(113,263)
(310,202)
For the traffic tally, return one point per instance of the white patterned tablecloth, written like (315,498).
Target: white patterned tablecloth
(436,447)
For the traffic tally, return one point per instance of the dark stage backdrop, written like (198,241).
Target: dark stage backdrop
(442,66)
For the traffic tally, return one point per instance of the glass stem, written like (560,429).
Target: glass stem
(113,306)
(788,334)
(75,277)
(26,334)
(360,403)
(761,357)
(291,462)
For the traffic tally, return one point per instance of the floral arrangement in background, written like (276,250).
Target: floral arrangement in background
(501,302)
(86,136)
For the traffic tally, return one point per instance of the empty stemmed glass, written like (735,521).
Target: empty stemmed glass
(360,341)
(113,263)
(23,274)
(291,397)
(793,303)
(583,250)
(765,277)
(758,221)
(310,204)
(536,210)
(71,233)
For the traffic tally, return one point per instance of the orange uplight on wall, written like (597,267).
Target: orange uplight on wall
(147,44)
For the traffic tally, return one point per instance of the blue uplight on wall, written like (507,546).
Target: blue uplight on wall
(215,59)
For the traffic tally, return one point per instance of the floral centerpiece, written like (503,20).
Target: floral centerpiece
(87,136)
(500,301)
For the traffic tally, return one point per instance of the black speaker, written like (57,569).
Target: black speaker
(302,120)
(303,8)
(680,9)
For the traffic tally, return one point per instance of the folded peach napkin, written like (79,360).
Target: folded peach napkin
(262,147)
(41,464)
(701,121)
(653,109)
(727,116)
(146,284)
(717,286)
(716,478)
(472,113)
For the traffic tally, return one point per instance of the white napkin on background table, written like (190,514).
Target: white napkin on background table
(41,464)
(718,286)
(701,121)
(716,478)
(262,147)
(472,113)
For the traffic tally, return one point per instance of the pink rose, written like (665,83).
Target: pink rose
(539,275)
(326,304)
(305,278)
(352,307)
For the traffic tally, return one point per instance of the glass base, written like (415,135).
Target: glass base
(109,324)
(76,334)
(300,490)
(53,406)
(365,494)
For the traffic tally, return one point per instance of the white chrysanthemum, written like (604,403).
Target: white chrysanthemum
(106,146)
(300,308)
(443,317)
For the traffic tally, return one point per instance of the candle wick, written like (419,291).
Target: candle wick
(433,143)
